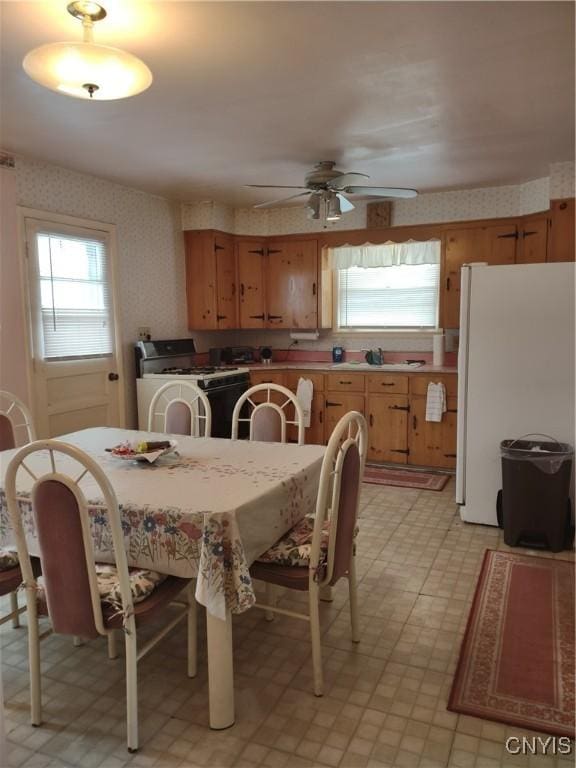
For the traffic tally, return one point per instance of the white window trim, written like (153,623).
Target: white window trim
(24,213)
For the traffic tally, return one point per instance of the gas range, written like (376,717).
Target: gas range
(206,377)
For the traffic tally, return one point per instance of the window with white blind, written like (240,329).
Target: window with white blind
(75,312)
(395,296)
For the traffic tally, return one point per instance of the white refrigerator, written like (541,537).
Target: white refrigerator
(515,371)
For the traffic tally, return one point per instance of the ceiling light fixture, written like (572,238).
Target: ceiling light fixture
(86,70)
(333,210)
(313,206)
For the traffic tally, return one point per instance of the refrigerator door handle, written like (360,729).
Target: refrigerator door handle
(463,346)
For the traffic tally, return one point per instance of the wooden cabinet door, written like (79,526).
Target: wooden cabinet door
(431,443)
(388,428)
(314,434)
(226,316)
(561,245)
(200,280)
(251,282)
(336,405)
(462,247)
(292,285)
(532,241)
(499,244)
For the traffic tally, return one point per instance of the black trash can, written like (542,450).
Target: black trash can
(534,503)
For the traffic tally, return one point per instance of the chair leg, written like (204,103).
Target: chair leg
(192,631)
(314,597)
(131,691)
(34,659)
(77,641)
(270,600)
(353,594)
(14,609)
(112,645)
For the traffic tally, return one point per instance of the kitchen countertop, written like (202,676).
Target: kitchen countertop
(327,368)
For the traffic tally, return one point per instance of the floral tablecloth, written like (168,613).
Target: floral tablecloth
(206,512)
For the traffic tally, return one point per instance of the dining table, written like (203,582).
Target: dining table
(206,511)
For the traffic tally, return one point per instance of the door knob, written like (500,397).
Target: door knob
(113,377)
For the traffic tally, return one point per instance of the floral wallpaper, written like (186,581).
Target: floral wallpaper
(561,180)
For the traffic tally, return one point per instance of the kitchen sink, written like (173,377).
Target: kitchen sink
(369,367)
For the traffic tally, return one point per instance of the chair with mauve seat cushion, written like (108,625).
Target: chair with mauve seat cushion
(268,418)
(16,429)
(318,552)
(180,408)
(81,598)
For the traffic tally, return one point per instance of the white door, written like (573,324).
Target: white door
(76,370)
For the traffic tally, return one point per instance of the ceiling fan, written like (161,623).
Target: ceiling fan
(326,188)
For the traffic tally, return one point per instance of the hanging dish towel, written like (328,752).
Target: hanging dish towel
(304,394)
(435,401)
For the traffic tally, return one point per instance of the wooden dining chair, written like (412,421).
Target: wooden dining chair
(180,408)
(83,598)
(319,551)
(16,429)
(268,417)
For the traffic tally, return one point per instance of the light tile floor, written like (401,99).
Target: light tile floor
(385,698)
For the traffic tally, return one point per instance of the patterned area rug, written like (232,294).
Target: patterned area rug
(405,478)
(516,663)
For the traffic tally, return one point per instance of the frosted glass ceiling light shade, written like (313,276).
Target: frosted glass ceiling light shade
(334,212)
(86,70)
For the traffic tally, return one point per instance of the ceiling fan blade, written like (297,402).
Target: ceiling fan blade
(272,186)
(345,204)
(381,191)
(339,182)
(271,203)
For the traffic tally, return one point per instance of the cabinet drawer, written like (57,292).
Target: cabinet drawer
(267,377)
(384,383)
(419,383)
(345,382)
(317,380)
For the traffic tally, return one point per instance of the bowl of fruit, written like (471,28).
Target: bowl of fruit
(144,450)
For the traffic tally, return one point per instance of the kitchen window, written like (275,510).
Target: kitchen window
(392,287)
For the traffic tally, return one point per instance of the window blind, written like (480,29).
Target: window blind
(75,300)
(404,296)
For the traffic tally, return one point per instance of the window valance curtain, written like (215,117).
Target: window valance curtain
(386,255)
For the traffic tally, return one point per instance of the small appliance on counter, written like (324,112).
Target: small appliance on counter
(228,355)
(375,357)
(337,354)
(266,355)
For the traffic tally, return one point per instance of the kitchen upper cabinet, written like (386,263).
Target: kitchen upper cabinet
(226,314)
(292,284)
(210,280)
(561,245)
(251,273)
(494,244)
(388,428)
(533,240)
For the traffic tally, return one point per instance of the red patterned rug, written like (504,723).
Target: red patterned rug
(516,663)
(406,478)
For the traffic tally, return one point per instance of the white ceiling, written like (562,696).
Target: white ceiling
(429,95)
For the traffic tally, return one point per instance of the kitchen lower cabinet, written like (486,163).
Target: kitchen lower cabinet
(336,405)
(387,417)
(314,434)
(431,443)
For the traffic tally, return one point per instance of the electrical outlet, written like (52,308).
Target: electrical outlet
(144,333)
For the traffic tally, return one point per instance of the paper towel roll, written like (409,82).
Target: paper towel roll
(438,349)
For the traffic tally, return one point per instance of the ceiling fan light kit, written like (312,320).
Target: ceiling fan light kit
(86,70)
(327,190)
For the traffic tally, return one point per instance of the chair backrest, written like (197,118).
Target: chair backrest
(338,497)
(16,426)
(267,419)
(180,408)
(61,520)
